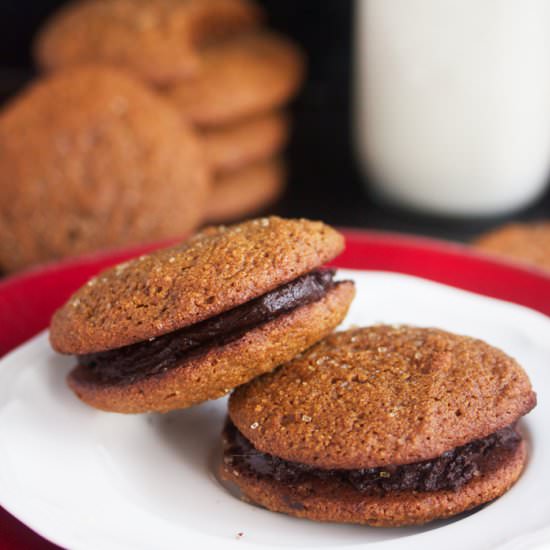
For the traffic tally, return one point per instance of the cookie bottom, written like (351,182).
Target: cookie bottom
(224,367)
(246,191)
(330,500)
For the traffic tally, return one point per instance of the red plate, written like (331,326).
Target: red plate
(27,301)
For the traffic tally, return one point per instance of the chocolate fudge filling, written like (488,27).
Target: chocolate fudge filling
(131,363)
(451,470)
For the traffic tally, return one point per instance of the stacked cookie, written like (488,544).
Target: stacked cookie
(237,102)
(226,75)
(384,425)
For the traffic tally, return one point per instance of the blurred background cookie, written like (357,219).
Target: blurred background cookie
(159,40)
(115,162)
(251,189)
(233,146)
(527,243)
(90,159)
(223,72)
(246,75)
(235,101)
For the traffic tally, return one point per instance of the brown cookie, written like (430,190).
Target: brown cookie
(239,78)
(237,145)
(382,425)
(527,243)
(158,40)
(381,393)
(329,500)
(89,159)
(246,191)
(189,323)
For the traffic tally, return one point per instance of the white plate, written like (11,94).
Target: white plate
(92,480)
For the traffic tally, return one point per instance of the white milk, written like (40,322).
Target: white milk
(453,102)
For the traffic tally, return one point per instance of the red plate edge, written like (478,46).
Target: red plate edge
(27,301)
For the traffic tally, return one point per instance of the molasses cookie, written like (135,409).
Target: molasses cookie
(246,75)
(237,145)
(158,40)
(188,323)
(246,191)
(90,158)
(527,243)
(384,426)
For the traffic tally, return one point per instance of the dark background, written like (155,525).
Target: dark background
(325,181)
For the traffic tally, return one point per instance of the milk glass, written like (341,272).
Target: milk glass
(452,102)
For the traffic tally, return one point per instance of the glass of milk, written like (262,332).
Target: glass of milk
(452,103)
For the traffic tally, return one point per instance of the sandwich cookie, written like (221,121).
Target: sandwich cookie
(90,158)
(241,77)
(246,191)
(191,322)
(526,243)
(384,426)
(158,40)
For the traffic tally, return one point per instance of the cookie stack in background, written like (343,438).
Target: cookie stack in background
(237,103)
(224,71)
(150,118)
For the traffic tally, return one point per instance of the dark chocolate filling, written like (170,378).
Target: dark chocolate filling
(131,363)
(451,470)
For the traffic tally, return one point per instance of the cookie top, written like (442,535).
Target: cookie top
(528,243)
(89,159)
(216,270)
(372,397)
(244,76)
(158,40)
